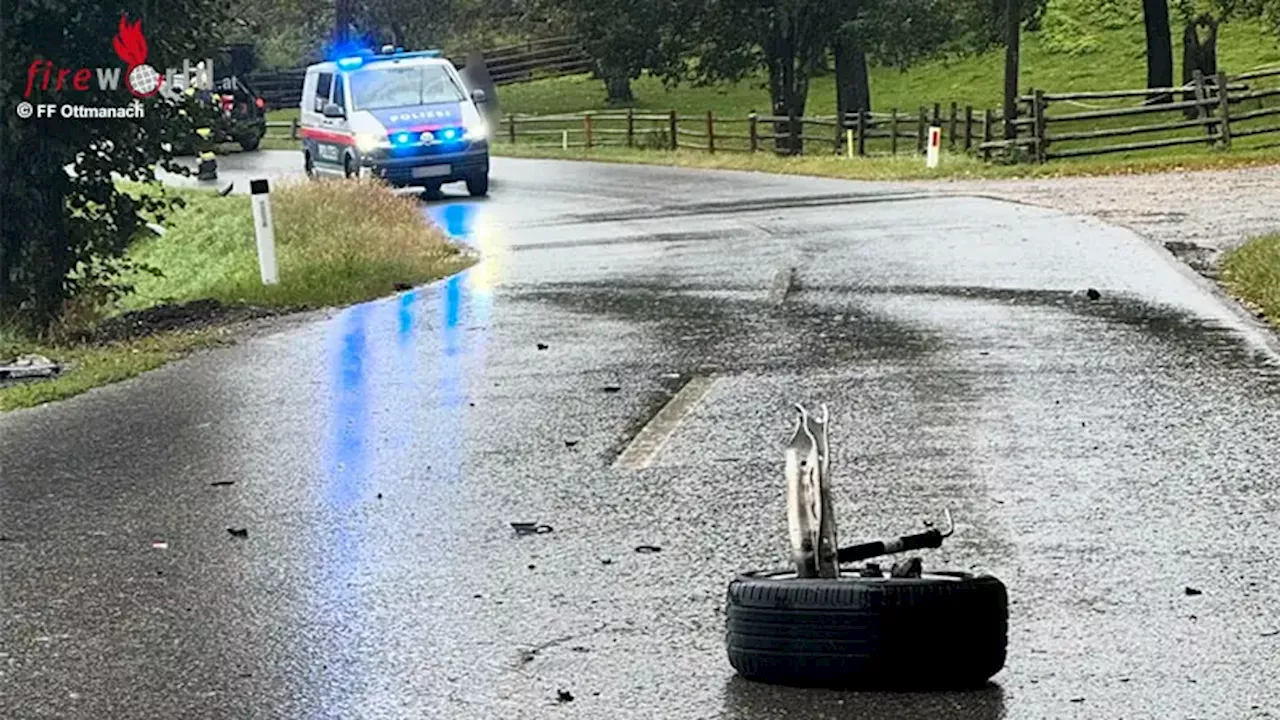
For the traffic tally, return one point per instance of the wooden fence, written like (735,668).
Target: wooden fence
(549,57)
(1211,111)
(863,134)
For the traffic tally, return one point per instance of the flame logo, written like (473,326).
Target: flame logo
(130,44)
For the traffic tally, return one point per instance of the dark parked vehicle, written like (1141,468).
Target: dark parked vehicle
(243,109)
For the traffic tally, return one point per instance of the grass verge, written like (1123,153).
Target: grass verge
(901,167)
(338,242)
(1252,273)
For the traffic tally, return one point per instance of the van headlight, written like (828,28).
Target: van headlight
(367,142)
(475,130)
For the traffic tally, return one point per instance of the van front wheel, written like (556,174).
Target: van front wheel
(478,184)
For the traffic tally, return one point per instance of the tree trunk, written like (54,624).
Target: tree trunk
(1155,16)
(618,87)
(853,93)
(1198,54)
(1013,34)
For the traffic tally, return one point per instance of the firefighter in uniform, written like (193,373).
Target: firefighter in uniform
(207,169)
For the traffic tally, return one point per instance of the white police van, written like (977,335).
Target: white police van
(402,116)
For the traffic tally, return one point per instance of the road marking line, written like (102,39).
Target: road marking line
(647,443)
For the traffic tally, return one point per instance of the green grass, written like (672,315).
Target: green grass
(1252,273)
(1117,63)
(338,242)
(93,365)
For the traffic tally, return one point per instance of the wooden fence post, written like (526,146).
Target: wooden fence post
(675,142)
(920,128)
(795,131)
(1224,104)
(586,129)
(952,128)
(986,133)
(841,124)
(511,128)
(862,133)
(753,134)
(1038,127)
(893,131)
(937,114)
(968,128)
(1202,111)
(631,127)
(711,133)
(293,129)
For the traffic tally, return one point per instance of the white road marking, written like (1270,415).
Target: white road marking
(647,443)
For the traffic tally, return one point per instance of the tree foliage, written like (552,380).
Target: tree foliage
(65,223)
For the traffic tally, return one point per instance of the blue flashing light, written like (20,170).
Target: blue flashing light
(449,134)
(350,63)
(402,138)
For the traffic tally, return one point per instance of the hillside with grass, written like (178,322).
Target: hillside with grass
(1081,45)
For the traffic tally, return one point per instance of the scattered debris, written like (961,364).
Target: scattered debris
(1273,633)
(478,596)
(612,388)
(222,483)
(648,549)
(402,286)
(580,649)
(871,570)
(157,230)
(1077,700)
(532,566)
(606,561)
(238,532)
(226,190)
(524,528)
(564,696)
(159,545)
(910,568)
(543,346)
(379,496)
(30,366)
(1192,591)
(570,443)
(1092,294)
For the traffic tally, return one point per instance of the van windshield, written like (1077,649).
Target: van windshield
(377,88)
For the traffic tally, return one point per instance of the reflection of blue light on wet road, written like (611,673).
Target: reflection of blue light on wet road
(404,318)
(345,479)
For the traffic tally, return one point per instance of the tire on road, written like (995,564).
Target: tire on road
(945,630)
(249,141)
(478,184)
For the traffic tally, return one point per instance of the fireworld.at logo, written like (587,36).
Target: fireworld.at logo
(140,79)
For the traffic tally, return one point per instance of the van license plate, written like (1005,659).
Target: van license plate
(431,171)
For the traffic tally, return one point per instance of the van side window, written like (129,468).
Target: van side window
(323,83)
(337,91)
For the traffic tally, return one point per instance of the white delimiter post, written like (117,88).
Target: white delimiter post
(264,229)
(935,146)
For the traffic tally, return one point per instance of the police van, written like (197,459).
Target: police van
(405,117)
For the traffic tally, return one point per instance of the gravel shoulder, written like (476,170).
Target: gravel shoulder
(1197,215)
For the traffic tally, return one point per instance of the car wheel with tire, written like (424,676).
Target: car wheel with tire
(942,630)
(249,141)
(308,165)
(348,167)
(478,184)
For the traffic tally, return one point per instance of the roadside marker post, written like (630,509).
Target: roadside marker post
(564,139)
(264,229)
(848,143)
(935,146)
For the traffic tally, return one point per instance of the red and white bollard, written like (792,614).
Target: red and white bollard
(935,147)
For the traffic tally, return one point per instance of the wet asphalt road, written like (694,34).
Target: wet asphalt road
(1099,456)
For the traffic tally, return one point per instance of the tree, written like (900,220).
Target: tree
(623,37)
(1155,18)
(894,33)
(64,233)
